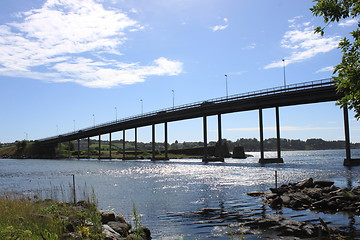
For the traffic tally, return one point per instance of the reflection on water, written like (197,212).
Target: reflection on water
(187,197)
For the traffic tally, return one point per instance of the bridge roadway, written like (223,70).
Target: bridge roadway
(295,94)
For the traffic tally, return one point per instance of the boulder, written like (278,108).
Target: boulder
(306,183)
(256,194)
(121,228)
(239,153)
(109,233)
(107,217)
(323,183)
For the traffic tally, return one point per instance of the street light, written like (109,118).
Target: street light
(226,86)
(142,107)
(284,72)
(74,125)
(116,114)
(173,93)
(94,119)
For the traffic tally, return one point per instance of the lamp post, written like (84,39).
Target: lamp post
(74,125)
(226,82)
(284,72)
(142,107)
(173,93)
(116,114)
(94,119)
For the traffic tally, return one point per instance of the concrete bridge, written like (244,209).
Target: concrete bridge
(295,94)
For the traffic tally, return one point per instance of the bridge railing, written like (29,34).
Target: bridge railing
(236,97)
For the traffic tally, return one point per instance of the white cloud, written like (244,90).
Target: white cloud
(250,46)
(66,40)
(349,22)
(304,44)
(326,69)
(221,27)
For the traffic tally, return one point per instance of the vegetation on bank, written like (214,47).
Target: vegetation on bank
(25,149)
(27,218)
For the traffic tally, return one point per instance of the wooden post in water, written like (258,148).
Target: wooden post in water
(276,181)
(74,188)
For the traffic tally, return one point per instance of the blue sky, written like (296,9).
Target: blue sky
(66,64)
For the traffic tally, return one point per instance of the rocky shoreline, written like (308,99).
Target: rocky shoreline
(318,196)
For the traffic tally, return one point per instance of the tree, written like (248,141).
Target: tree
(348,71)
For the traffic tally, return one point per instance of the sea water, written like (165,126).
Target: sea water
(185,199)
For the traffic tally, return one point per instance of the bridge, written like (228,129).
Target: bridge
(302,93)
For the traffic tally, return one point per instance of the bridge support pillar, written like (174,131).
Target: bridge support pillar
(136,150)
(166,140)
(99,146)
(88,147)
(348,161)
(262,159)
(78,148)
(124,136)
(110,145)
(205,138)
(153,143)
(219,128)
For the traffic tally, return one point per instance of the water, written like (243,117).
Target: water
(187,199)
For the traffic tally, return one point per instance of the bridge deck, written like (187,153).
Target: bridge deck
(303,93)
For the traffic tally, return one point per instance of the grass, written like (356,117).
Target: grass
(26,218)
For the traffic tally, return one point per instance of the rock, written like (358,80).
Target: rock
(314,193)
(279,191)
(256,194)
(107,217)
(276,203)
(271,195)
(239,152)
(110,234)
(121,228)
(323,183)
(144,234)
(306,183)
(71,236)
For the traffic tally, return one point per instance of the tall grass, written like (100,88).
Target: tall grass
(34,217)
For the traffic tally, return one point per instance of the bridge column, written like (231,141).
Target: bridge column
(99,146)
(278,133)
(219,128)
(205,139)
(262,159)
(348,160)
(110,146)
(88,148)
(136,143)
(124,157)
(166,140)
(261,128)
(78,148)
(153,143)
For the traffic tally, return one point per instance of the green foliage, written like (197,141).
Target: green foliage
(348,71)
(27,219)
